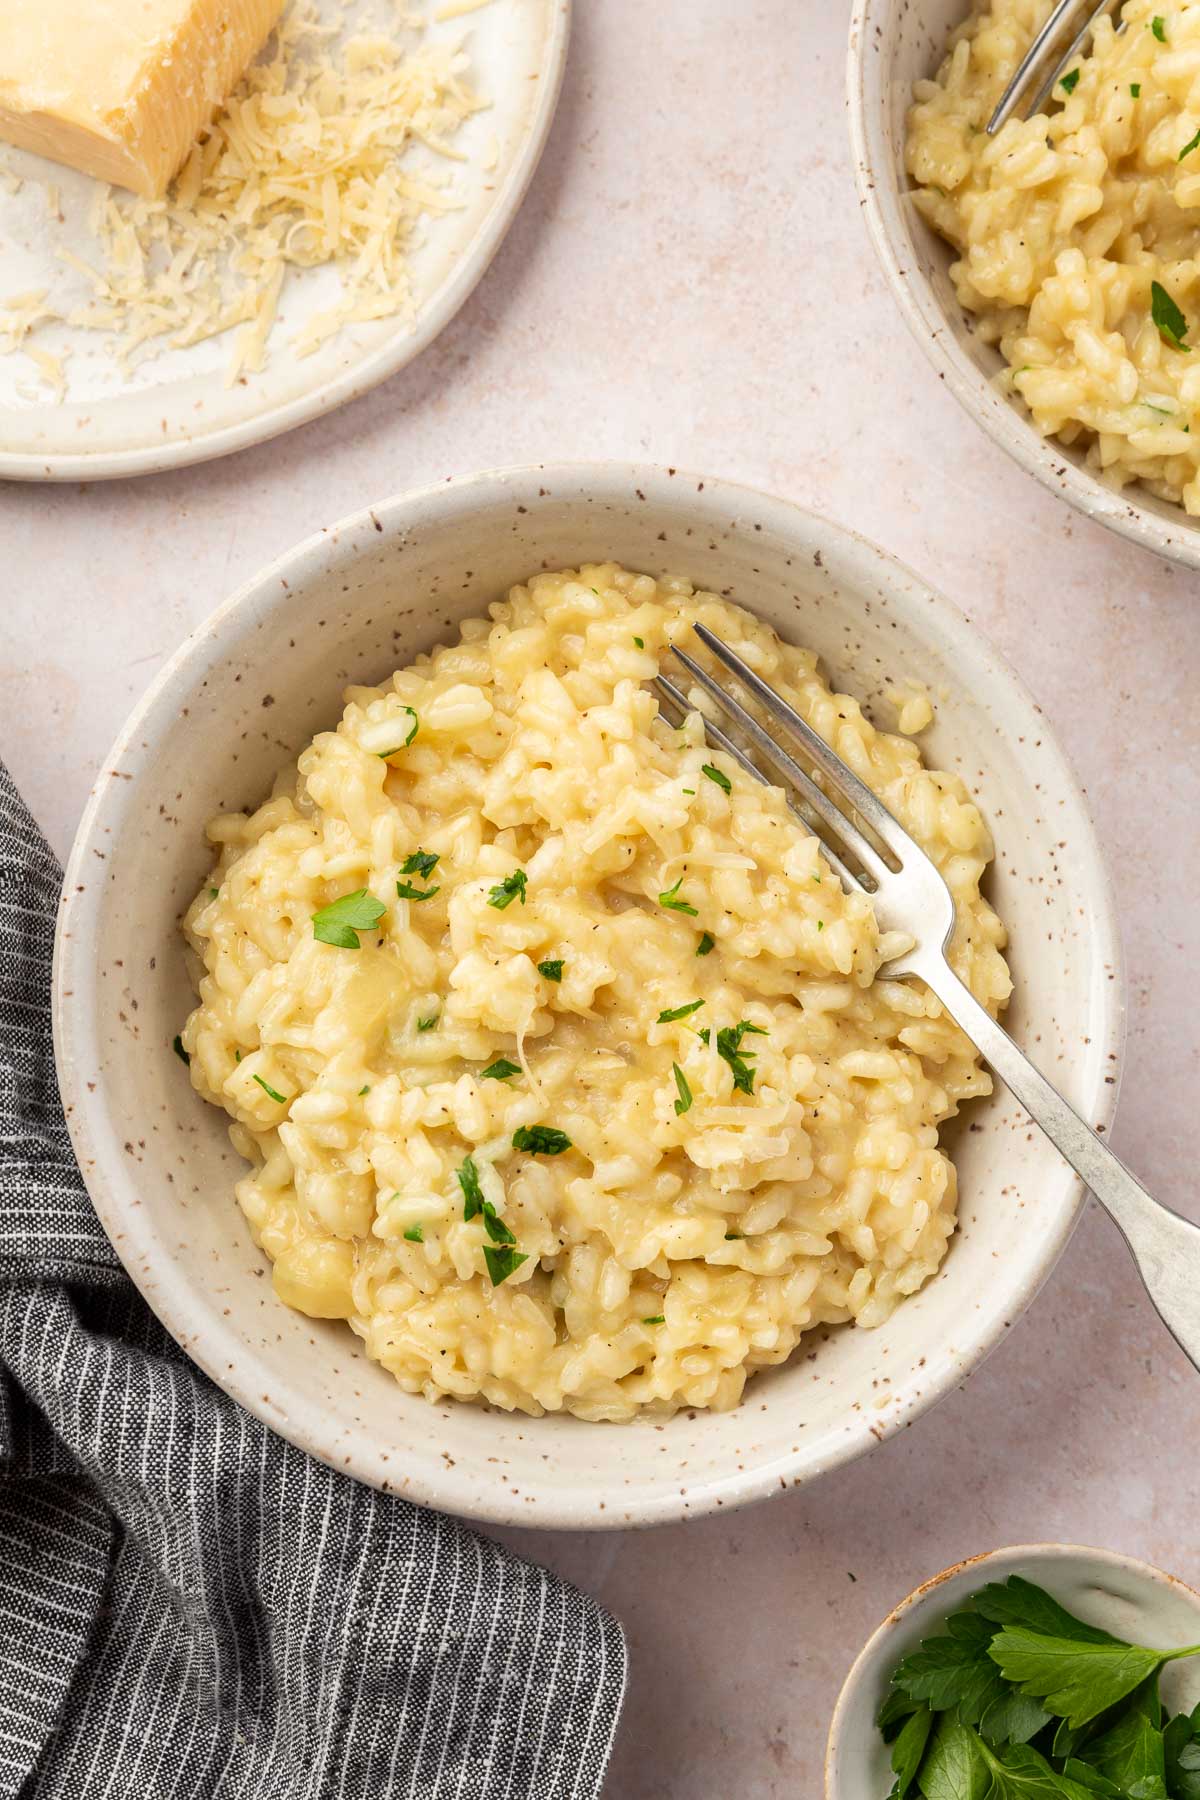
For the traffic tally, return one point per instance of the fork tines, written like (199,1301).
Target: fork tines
(1048,45)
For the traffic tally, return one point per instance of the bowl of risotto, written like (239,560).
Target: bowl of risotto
(1048,271)
(490,1084)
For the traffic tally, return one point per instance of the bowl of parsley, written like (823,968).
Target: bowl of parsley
(1042,1672)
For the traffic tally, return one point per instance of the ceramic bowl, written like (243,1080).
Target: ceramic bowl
(1116,1593)
(255,683)
(894,43)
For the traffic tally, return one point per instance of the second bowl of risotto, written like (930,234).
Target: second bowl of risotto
(541,1138)
(1048,269)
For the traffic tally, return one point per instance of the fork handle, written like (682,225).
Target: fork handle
(1165,1246)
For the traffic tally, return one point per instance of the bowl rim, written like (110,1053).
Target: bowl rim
(1049,462)
(216,1349)
(843,1718)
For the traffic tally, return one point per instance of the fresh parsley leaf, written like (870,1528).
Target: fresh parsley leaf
(1020,1602)
(502,1262)
(1171,323)
(1076,1680)
(1135,88)
(467,1176)
(1158,27)
(655,1319)
(1188,147)
(706,943)
(494,1225)
(678,1012)
(1087,1778)
(340,922)
(552,969)
(896,1708)
(407,891)
(540,1140)
(1130,1752)
(909,1748)
(508,890)
(177,1047)
(955,1766)
(421,862)
(416,726)
(269,1091)
(684,1102)
(1181,1755)
(1068,82)
(1012,1718)
(669,900)
(415,1234)
(947,1671)
(427,1024)
(500,1070)
(1022,1773)
(714,774)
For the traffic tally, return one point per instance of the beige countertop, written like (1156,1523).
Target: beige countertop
(690,282)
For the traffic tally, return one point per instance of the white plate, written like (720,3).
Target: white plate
(176,408)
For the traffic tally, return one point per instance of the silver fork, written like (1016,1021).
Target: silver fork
(910,897)
(1043,47)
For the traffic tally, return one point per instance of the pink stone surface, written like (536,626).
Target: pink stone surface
(690,282)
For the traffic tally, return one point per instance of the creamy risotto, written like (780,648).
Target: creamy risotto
(1077,230)
(556,1048)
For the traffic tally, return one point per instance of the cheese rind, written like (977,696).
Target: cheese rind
(120,88)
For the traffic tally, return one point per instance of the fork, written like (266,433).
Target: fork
(1041,47)
(910,897)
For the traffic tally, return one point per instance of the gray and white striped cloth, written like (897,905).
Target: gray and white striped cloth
(189,1606)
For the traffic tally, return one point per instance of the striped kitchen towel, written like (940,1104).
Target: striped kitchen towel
(189,1606)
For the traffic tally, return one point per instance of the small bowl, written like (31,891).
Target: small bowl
(894,43)
(1114,1592)
(251,688)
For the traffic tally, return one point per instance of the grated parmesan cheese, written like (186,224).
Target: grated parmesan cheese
(304,166)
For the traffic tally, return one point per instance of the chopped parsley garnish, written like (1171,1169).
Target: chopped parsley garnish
(1158,27)
(494,1225)
(718,775)
(427,1024)
(640,642)
(733,1237)
(668,899)
(177,1047)
(1172,325)
(655,1319)
(678,1012)
(506,891)
(552,968)
(500,1070)
(1067,84)
(541,1140)
(689,791)
(820,924)
(706,943)
(416,726)
(729,1049)
(467,1177)
(340,922)
(269,1091)
(1135,88)
(407,891)
(502,1262)
(213,892)
(415,1234)
(1188,147)
(683,1104)
(421,862)
(364,1090)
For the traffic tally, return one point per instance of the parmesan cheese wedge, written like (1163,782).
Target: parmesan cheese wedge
(120,88)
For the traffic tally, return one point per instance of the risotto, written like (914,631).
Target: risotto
(557,1050)
(1078,231)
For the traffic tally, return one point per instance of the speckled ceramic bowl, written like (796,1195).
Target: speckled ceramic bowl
(894,43)
(1114,1592)
(252,687)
